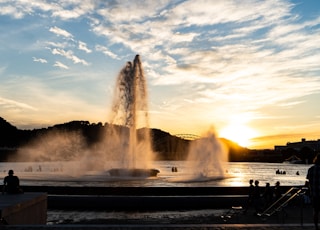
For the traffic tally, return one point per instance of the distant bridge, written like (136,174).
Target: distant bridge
(187,136)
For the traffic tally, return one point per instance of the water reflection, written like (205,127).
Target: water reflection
(237,174)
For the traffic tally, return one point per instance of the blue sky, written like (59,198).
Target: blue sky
(248,68)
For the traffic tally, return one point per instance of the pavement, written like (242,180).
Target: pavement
(291,214)
(291,217)
(166,227)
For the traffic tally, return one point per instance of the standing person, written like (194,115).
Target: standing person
(251,190)
(257,197)
(267,195)
(277,191)
(313,177)
(11,184)
(250,195)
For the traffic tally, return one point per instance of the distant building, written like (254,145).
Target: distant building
(313,145)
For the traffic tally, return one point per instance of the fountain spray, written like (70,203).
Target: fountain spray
(130,109)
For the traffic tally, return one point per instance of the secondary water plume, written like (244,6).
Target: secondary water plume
(206,156)
(130,111)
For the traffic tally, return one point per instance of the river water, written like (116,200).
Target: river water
(71,174)
(236,174)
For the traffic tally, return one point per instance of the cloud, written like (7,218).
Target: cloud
(2,69)
(64,10)
(219,54)
(60,65)
(60,32)
(75,9)
(83,46)
(13,11)
(12,104)
(124,11)
(41,60)
(57,44)
(106,51)
(69,55)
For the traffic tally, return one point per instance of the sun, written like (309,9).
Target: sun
(239,133)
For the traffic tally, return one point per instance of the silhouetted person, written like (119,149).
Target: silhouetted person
(257,197)
(313,176)
(307,196)
(277,191)
(250,195)
(11,184)
(267,195)
(174,169)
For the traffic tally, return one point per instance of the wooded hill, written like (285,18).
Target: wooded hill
(165,145)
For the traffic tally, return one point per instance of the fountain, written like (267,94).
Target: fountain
(130,147)
(206,156)
(123,149)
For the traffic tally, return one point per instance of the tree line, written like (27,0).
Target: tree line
(165,145)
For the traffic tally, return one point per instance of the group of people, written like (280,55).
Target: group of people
(281,172)
(278,171)
(263,199)
(260,198)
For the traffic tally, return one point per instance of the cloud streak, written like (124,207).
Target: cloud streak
(106,51)
(12,104)
(60,65)
(60,32)
(69,55)
(41,60)
(83,46)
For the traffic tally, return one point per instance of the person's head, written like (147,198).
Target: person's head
(267,184)
(316,160)
(256,182)
(251,181)
(10,172)
(277,183)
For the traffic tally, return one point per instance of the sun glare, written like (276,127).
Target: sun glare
(239,133)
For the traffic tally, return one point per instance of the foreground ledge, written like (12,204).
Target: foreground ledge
(21,209)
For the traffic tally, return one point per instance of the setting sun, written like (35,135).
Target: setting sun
(239,133)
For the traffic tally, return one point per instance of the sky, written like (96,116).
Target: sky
(250,69)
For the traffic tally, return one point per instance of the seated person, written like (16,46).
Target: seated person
(11,184)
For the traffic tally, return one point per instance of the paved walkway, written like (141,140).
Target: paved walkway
(166,227)
(292,217)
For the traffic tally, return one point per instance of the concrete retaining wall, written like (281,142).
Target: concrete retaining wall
(145,202)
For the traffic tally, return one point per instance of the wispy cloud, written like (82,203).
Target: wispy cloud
(41,60)
(60,32)
(12,11)
(74,9)
(69,55)
(64,10)
(83,46)
(106,51)
(60,65)
(57,44)
(12,104)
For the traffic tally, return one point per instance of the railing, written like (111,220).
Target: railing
(283,201)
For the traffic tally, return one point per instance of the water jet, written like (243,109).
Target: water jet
(132,147)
